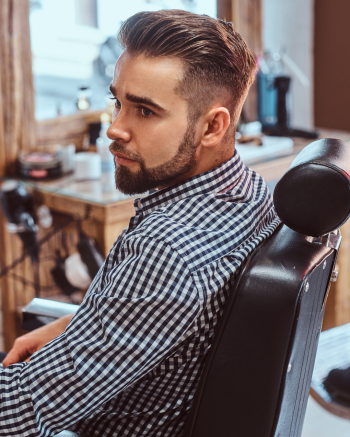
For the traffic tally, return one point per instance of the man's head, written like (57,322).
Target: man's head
(179,87)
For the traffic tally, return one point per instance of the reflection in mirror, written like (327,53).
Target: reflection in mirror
(74,48)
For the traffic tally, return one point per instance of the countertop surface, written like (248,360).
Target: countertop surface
(275,153)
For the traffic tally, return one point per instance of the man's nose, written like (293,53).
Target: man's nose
(118,129)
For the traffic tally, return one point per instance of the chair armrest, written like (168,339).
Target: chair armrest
(40,312)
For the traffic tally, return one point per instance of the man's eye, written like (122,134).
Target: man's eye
(146,112)
(117,103)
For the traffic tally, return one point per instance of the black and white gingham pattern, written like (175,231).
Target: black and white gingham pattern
(130,359)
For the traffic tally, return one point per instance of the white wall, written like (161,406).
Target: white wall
(288,24)
(112,13)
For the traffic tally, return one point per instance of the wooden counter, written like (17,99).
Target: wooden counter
(108,213)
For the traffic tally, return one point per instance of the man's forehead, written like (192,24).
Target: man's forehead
(156,77)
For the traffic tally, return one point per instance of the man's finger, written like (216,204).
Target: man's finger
(14,357)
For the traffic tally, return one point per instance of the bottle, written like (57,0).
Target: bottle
(107,159)
(84,96)
(270,67)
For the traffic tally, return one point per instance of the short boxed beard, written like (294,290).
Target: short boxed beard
(146,179)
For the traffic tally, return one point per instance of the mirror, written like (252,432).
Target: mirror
(74,49)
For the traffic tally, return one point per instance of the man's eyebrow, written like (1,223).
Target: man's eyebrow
(144,101)
(138,99)
(112,89)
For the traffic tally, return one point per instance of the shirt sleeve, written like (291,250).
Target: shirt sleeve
(140,310)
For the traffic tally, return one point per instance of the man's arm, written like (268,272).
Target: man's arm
(27,344)
(132,318)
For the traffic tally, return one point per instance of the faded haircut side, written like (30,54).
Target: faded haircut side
(217,61)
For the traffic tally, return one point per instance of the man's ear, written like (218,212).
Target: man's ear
(216,123)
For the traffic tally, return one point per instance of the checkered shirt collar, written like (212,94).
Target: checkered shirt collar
(219,180)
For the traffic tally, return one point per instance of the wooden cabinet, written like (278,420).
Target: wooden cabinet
(104,216)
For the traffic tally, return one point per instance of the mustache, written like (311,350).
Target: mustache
(115,147)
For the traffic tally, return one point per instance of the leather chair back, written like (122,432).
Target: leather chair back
(257,376)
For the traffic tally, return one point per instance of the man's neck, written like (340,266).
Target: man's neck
(205,161)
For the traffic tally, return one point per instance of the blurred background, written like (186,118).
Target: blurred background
(74,45)
(57,61)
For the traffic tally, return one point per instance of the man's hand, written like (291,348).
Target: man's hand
(29,343)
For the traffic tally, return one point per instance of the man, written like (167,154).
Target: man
(129,361)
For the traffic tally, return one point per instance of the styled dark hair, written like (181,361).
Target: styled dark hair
(217,61)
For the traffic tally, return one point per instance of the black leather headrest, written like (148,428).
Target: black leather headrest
(313,196)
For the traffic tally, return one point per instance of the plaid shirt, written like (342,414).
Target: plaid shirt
(129,361)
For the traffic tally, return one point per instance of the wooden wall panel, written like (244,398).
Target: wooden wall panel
(246,16)
(332,64)
(247,19)
(17,125)
(224,9)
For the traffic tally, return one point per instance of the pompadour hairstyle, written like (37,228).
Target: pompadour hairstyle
(217,61)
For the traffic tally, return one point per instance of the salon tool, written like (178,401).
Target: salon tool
(76,271)
(17,206)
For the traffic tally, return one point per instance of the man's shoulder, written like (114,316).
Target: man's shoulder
(211,212)
(205,227)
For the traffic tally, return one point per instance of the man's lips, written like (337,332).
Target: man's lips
(122,160)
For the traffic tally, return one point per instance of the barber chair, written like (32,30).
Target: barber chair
(257,376)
